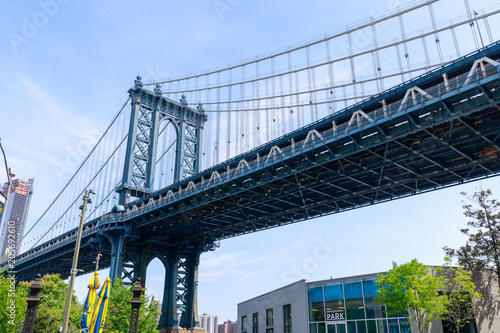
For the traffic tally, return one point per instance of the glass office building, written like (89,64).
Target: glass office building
(344,305)
(348,306)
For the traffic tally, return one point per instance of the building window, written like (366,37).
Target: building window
(316,303)
(355,308)
(287,318)
(255,323)
(269,317)
(373,310)
(244,323)
(334,301)
(394,326)
(270,330)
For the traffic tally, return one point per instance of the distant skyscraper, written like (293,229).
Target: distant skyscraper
(228,327)
(16,211)
(2,203)
(209,323)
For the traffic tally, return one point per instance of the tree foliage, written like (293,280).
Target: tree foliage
(119,309)
(410,289)
(12,305)
(461,299)
(51,309)
(481,252)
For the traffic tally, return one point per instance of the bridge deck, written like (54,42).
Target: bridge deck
(398,143)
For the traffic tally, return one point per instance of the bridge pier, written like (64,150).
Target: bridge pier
(116,266)
(129,260)
(181,290)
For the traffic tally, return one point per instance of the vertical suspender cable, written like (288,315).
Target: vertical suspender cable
(206,145)
(345,95)
(351,61)
(471,23)
(309,84)
(434,27)
(315,102)
(282,122)
(426,52)
(290,88)
(243,115)
(169,91)
(377,67)
(229,113)
(267,111)
(455,41)
(252,132)
(188,95)
(197,94)
(487,25)
(398,55)
(300,112)
(405,45)
(178,94)
(331,77)
(217,122)
(274,116)
(257,96)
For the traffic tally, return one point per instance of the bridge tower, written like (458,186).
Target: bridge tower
(131,251)
(149,109)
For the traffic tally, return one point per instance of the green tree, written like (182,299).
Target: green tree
(411,289)
(461,298)
(119,309)
(481,252)
(51,309)
(12,304)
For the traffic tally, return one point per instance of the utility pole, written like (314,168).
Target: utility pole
(74,270)
(97,261)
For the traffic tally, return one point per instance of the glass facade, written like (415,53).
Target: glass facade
(349,307)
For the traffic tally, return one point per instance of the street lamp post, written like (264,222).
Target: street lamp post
(74,270)
(10,173)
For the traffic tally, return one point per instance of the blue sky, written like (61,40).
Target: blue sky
(67,66)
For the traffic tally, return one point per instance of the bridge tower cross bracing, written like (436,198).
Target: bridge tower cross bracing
(149,109)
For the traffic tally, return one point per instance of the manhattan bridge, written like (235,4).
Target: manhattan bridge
(400,104)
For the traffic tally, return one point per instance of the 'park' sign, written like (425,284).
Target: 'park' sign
(335,315)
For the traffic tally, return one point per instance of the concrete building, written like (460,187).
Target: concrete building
(228,327)
(208,322)
(281,310)
(344,305)
(16,212)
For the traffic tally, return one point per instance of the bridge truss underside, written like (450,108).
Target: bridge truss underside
(443,142)
(438,130)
